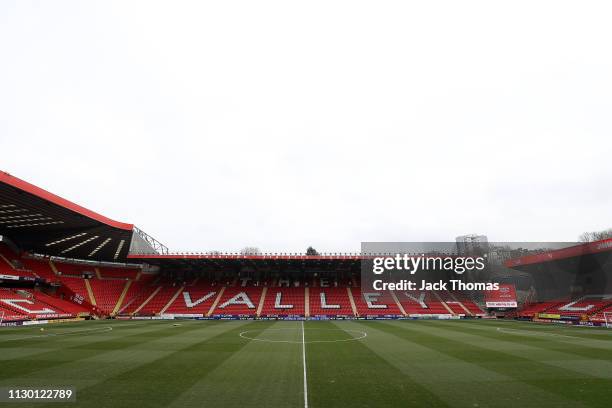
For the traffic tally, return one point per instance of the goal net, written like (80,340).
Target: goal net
(608,319)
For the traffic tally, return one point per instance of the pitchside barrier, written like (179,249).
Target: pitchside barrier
(588,323)
(10,324)
(35,322)
(169,316)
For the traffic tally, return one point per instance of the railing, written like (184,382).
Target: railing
(157,246)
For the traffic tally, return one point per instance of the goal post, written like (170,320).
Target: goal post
(608,319)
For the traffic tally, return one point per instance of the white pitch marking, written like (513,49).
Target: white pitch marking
(96,330)
(362,335)
(532,333)
(304,361)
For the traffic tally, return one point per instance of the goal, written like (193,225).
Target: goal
(608,319)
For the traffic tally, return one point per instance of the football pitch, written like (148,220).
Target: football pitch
(313,363)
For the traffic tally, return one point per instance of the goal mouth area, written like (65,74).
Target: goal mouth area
(607,319)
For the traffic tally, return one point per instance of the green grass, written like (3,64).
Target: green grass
(398,364)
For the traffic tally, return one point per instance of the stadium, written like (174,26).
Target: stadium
(102,309)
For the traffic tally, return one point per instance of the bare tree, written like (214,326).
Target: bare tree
(311,251)
(596,235)
(250,250)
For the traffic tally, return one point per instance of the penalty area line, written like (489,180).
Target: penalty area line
(528,332)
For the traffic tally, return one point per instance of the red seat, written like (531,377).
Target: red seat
(195,299)
(239,301)
(330,302)
(283,301)
(376,302)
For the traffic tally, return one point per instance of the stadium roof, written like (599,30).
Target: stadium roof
(589,249)
(39,221)
(260,261)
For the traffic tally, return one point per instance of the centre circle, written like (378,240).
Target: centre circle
(277,334)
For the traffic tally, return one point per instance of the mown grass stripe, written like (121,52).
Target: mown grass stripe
(159,382)
(455,381)
(349,374)
(549,341)
(260,374)
(600,335)
(580,388)
(59,354)
(399,364)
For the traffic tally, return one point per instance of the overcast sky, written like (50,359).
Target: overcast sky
(282,124)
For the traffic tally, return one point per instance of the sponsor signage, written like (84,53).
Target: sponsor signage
(34,322)
(504,297)
(549,316)
(76,319)
(11,324)
(53,315)
(14,277)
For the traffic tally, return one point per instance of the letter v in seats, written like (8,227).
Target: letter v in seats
(189,303)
